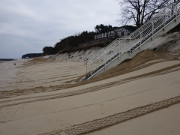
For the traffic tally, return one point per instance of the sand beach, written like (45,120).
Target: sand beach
(43,97)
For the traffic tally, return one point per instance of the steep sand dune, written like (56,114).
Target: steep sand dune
(42,96)
(38,75)
(105,99)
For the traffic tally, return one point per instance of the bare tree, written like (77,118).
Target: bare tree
(139,11)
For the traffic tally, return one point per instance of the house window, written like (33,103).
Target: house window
(122,33)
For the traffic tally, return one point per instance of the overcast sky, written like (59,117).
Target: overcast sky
(26,26)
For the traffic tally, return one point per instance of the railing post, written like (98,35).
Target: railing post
(152,23)
(86,65)
(140,36)
(165,16)
(105,64)
(176,10)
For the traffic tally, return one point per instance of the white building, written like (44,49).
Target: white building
(116,33)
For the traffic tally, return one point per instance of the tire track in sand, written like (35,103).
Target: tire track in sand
(111,120)
(9,102)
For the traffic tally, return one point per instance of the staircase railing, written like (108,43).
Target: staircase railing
(130,43)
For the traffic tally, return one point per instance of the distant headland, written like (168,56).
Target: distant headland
(4,59)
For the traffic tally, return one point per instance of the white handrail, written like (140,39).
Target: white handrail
(131,42)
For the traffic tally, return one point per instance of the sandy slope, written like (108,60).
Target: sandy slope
(38,113)
(163,122)
(37,75)
(140,96)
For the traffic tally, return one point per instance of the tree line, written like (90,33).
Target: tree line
(133,11)
(72,42)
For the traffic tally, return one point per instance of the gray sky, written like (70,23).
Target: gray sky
(26,26)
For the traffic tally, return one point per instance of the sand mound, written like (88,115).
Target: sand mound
(166,47)
(141,60)
(168,42)
(145,84)
(34,61)
(62,71)
(48,77)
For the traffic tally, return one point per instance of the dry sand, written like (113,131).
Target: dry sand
(163,122)
(140,96)
(56,112)
(37,75)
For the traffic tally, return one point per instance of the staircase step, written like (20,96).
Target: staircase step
(147,28)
